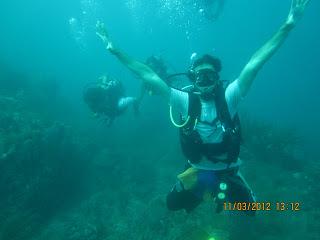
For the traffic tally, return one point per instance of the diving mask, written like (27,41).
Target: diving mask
(206,81)
(206,77)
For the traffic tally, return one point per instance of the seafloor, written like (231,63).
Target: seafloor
(63,177)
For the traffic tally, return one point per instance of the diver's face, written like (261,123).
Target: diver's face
(205,75)
(206,80)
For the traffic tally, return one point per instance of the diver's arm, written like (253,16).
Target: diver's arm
(257,61)
(147,75)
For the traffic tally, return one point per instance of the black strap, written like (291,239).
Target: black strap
(222,108)
(194,110)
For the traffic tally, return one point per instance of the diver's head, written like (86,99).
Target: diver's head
(204,73)
(157,64)
(96,97)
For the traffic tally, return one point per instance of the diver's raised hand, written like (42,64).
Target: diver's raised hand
(101,31)
(296,11)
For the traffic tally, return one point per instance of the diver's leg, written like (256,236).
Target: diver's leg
(239,191)
(179,198)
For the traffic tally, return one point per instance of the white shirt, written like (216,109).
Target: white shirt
(209,134)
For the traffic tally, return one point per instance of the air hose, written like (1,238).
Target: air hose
(174,122)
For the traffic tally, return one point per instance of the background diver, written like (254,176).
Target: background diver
(158,65)
(212,9)
(210,128)
(107,100)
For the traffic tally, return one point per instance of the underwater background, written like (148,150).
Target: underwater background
(65,175)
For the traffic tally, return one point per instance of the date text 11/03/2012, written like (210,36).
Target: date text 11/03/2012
(261,206)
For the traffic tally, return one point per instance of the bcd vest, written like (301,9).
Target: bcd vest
(193,147)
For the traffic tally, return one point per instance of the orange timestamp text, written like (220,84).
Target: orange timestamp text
(261,206)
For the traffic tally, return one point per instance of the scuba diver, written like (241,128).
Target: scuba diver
(210,128)
(160,67)
(107,100)
(212,9)
(157,64)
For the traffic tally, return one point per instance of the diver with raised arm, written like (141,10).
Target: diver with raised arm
(210,128)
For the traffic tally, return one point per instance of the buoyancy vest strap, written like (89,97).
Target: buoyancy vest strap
(222,108)
(231,127)
(194,109)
